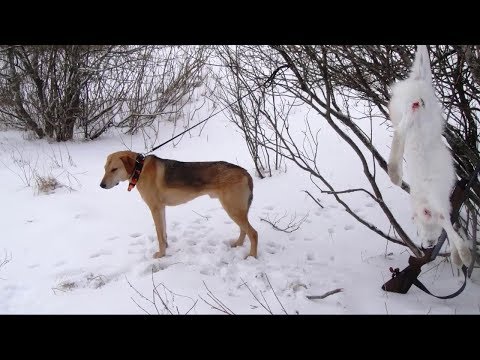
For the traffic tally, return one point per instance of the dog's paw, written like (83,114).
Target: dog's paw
(159,254)
(236,243)
(395,174)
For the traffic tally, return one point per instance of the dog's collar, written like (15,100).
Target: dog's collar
(136,171)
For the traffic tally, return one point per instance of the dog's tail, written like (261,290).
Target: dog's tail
(421,65)
(250,186)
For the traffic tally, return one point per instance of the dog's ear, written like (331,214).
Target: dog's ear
(421,65)
(129,163)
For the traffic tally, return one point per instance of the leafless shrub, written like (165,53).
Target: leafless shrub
(343,86)
(24,167)
(215,303)
(291,225)
(253,108)
(162,300)
(46,184)
(54,90)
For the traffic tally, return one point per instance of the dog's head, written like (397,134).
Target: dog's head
(119,167)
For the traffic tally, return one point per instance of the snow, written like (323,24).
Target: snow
(86,250)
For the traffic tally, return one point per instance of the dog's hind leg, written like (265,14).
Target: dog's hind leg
(164,226)
(237,208)
(241,238)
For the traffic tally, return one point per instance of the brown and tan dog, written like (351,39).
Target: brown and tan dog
(164,182)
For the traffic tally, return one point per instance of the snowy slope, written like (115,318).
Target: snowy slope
(89,250)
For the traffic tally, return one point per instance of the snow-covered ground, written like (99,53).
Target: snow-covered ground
(87,250)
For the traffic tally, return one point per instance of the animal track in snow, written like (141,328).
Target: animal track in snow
(100,253)
(272,247)
(137,242)
(212,242)
(348,227)
(208,249)
(207,271)
(135,235)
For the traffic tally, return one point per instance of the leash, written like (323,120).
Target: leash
(141,157)
(270,78)
(441,240)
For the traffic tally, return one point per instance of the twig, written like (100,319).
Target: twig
(224,309)
(266,302)
(255,297)
(140,306)
(155,291)
(206,217)
(195,303)
(291,226)
(316,200)
(271,287)
(328,293)
(215,308)
(474,240)
(163,299)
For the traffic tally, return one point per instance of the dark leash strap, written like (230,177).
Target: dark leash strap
(141,157)
(422,287)
(270,78)
(441,240)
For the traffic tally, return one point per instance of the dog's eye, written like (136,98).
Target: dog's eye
(113,170)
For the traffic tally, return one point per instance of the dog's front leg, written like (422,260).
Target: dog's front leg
(158,214)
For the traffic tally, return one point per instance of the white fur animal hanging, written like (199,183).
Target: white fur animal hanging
(418,122)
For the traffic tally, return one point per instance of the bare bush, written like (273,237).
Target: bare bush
(46,184)
(216,304)
(44,171)
(52,90)
(24,167)
(342,86)
(162,300)
(253,108)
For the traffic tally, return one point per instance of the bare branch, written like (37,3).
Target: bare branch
(328,293)
(290,227)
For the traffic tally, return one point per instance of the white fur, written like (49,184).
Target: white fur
(418,134)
